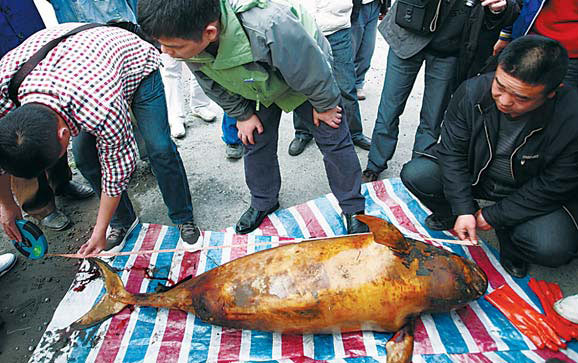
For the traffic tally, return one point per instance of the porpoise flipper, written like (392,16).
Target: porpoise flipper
(400,347)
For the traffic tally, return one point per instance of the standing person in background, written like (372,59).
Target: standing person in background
(448,45)
(555,19)
(234,146)
(19,20)
(363,32)
(334,20)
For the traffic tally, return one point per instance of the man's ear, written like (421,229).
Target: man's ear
(212,31)
(553,92)
(63,135)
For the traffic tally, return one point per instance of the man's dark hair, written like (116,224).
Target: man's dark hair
(185,19)
(29,141)
(536,60)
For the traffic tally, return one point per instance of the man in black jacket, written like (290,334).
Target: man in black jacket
(510,137)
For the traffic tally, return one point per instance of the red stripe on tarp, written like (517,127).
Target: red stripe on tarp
(230,346)
(422,343)
(292,346)
(267,228)
(477,329)
(242,240)
(548,354)
(394,207)
(495,278)
(311,222)
(353,344)
(470,358)
(117,328)
(177,320)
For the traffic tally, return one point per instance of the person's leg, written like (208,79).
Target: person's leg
(341,162)
(171,75)
(364,30)
(302,137)
(400,77)
(150,111)
(571,78)
(87,161)
(199,101)
(422,176)
(439,83)
(260,160)
(344,73)
(59,178)
(230,137)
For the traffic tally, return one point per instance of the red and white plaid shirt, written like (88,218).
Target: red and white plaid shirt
(89,79)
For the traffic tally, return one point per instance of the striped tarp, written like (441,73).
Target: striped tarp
(476,333)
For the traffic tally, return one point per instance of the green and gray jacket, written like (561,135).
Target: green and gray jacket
(270,52)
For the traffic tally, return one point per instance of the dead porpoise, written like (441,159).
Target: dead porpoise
(377,281)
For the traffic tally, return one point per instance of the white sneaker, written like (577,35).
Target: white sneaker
(361,94)
(204,113)
(568,308)
(7,261)
(178,130)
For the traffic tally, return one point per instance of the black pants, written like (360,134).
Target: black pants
(548,240)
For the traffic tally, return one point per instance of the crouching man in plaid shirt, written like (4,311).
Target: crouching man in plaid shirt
(83,89)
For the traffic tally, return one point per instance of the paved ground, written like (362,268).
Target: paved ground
(30,293)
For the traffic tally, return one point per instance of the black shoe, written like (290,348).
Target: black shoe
(362,141)
(353,225)
(516,268)
(438,222)
(75,191)
(190,233)
(116,238)
(298,144)
(369,176)
(252,218)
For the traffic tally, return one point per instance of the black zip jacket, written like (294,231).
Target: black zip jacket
(544,161)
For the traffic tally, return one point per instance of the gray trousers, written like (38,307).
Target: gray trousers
(341,163)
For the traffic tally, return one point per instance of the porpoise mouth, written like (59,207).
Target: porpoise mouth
(479,280)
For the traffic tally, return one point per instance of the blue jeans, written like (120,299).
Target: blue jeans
(344,73)
(548,240)
(229,127)
(150,110)
(363,33)
(400,77)
(94,11)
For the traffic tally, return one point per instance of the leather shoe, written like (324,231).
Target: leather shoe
(298,144)
(362,141)
(75,191)
(56,221)
(516,268)
(252,218)
(369,176)
(353,225)
(437,222)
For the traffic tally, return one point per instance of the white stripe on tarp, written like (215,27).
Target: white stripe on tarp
(320,219)
(215,343)
(369,343)
(432,332)
(276,222)
(489,326)
(338,349)
(308,346)
(245,351)
(300,222)
(465,333)
(277,352)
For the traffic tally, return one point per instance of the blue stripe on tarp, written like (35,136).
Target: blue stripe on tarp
(261,345)
(361,360)
(323,346)
(201,336)
(146,319)
(380,340)
(506,331)
(437,358)
(289,223)
(331,216)
(449,334)
(80,350)
(514,356)
(263,239)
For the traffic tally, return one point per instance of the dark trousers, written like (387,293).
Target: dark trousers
(344,73)
(548,240)
(36,196)
(341,163)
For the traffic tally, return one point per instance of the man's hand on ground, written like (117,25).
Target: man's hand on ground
(331,117)
(8,216)
(481,222)
(94,245)
(465,227)
(247,128)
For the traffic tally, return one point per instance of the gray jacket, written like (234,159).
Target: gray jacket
(280,45)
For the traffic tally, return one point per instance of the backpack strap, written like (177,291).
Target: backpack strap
(36,58)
